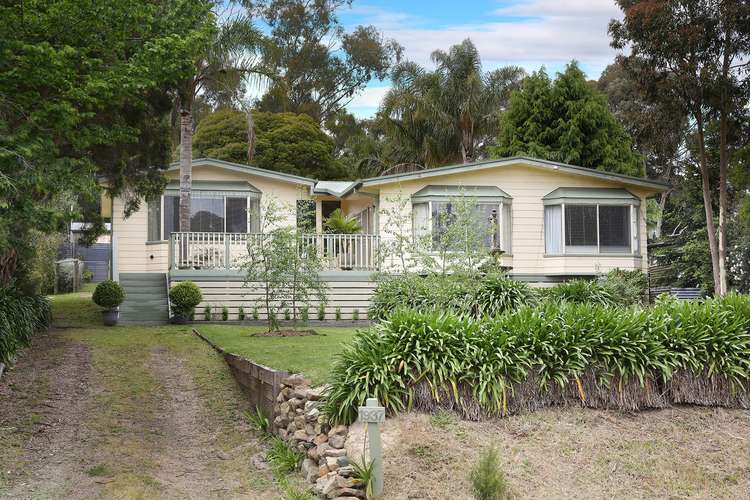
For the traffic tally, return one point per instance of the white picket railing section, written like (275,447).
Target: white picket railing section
(191,250)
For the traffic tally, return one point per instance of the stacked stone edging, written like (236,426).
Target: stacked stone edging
(299,422)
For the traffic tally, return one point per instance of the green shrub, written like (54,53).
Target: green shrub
(224,313)
(287,314)
(20,317)
(498,294)
(207,313)
(421,293)
(108,294)
(256,316)
(559,353)
(487,480)
(490,295)
(337,314)
(627,287)
(241,313)
(184,297)
(321,312)
(87,276)
(580,292)
(355,315)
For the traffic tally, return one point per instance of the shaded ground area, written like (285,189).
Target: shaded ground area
(575,453)
(126,412)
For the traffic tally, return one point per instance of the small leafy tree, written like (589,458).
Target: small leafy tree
(286,263)
(398,244)
(457,243)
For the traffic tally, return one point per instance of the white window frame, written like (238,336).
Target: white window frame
(500,215)
(635,250)
(223,197)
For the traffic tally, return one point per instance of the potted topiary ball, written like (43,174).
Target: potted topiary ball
(183,297)
(109,295)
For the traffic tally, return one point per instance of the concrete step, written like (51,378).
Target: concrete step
(145,298)
(141,296)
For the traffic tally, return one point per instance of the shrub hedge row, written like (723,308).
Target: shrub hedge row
(20,317)
(497,293)
(555,354)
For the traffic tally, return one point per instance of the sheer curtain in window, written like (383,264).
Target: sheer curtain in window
(154,220)
(553,229)
(420,220)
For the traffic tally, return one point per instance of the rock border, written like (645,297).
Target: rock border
(299,422)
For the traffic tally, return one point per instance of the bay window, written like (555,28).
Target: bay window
(590,221)
(436,208)
(211,211)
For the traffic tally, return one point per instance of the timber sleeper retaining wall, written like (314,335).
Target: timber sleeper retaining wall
(293,407)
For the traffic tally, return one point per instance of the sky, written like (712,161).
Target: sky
(526,33)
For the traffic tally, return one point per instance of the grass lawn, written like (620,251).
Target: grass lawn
(310,355)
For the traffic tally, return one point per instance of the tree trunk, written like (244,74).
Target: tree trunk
(250,135)
(186,164)
(706,181)
(660,219)
(723,161)
(724,118)
(662,203)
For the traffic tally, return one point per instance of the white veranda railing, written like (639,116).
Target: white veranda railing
(191,250)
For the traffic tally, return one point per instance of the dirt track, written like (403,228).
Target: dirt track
(85,415)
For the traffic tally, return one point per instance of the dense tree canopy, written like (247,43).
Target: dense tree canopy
(285,142)
(320,66)
(566,120)
(450,114)
(84,95)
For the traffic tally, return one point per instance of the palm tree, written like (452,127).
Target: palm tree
(449,114)
(222,65)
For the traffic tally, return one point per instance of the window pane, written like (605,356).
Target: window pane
(442,217)
(487,222)
(236,215)
(171,215)
(306,215)
(507,229)
(580,228)
(420,217)
(207,215)
(614,229)
(154,220)
(553,229)
(254,214)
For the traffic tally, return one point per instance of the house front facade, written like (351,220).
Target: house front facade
(551,222)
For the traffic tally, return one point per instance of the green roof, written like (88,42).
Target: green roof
(437,193)
(657,186)
(591,195)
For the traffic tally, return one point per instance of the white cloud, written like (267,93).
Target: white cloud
(529,34)
(369,98)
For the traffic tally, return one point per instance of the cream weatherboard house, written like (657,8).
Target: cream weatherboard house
(555,222)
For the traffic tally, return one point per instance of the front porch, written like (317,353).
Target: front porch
(213,251)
